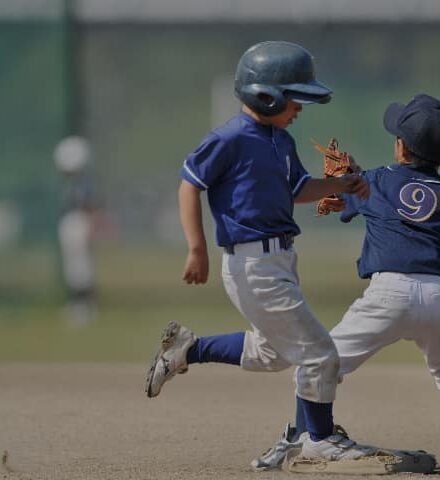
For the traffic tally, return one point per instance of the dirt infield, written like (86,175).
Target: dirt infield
(94,422)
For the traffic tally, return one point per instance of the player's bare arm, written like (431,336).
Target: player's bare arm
(317,188)
(197,263)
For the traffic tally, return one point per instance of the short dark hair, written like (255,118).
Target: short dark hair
(421,162)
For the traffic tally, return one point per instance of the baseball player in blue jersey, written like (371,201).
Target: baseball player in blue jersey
(400,254)
(401,250)
(253,176)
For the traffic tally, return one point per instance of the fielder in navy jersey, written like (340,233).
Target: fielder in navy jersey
(253,176)
(400,253)
(401,250)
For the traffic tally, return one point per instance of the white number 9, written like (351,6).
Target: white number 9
(420,202)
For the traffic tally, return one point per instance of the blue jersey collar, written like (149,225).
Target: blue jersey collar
(411,170)
(267,129)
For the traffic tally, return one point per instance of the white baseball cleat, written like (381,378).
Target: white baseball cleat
(171,358)
(336,447)
(273,458)
(337,454)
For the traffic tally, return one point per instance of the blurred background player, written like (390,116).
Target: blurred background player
(75,229)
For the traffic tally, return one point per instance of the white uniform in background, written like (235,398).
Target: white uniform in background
(75,228)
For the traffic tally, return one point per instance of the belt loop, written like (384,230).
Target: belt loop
(229,249)
(283,241)
(286,241)
(265,243)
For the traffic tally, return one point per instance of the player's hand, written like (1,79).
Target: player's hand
(355,184)
(196,267)
(334,204)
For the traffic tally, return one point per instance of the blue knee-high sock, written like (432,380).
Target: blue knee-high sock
(300,422)
(318,418)
(218,348)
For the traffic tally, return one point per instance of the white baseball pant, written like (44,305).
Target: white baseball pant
(395,306)
(74,233)
(264,287)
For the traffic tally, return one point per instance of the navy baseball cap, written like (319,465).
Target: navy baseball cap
(417,124)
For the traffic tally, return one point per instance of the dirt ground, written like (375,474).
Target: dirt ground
(94,422)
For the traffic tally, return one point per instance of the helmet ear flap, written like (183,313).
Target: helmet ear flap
(266,100)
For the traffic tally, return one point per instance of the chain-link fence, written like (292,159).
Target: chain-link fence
(145,94)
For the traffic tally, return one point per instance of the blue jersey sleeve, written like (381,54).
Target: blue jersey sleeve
(351,210)
(352,202)
(207,163)
(298,174)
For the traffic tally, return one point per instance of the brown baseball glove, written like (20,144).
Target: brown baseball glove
(336,163)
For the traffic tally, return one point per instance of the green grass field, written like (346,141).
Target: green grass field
(141,290)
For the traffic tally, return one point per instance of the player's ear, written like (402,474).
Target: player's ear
(266,99)
(398,147)
(406,153)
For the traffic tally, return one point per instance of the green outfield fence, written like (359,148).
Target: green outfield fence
(143,94)
(146,93)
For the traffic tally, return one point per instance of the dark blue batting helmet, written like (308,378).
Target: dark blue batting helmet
(269,74)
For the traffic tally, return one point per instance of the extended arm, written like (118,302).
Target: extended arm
(197,263)
(316,188)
